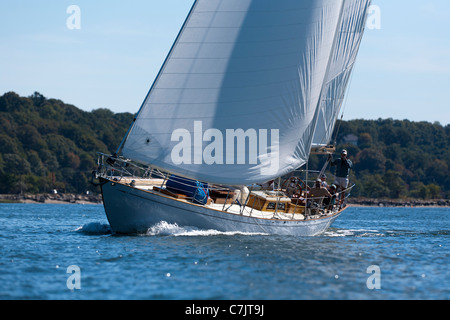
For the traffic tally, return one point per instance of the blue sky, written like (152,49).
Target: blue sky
(402,72)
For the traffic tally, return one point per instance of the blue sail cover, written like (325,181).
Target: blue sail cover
(195,190)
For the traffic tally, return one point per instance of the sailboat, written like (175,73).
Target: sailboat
(248,90)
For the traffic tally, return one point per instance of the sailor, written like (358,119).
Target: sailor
(343,166)
(268,185)
(291,188)
(331,201)
(323,179)
(319,191)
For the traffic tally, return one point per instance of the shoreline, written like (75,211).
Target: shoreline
(69,198)
(398,203)
(65,198)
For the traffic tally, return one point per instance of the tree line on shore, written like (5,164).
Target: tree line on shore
(47,144)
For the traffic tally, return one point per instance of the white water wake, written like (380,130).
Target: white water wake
(164,228)
(352,233)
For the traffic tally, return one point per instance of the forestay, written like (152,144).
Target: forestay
(236,99)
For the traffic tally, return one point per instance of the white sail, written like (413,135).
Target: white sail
(236,99)
(348,40)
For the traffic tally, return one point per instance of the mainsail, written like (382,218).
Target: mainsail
(348,39)
(236,100)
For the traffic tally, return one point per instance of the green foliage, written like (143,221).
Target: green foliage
(46,144)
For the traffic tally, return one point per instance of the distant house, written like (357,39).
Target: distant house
(351,138)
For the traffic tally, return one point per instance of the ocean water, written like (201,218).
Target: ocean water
(68,252)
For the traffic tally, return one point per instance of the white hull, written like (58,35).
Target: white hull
(133,210)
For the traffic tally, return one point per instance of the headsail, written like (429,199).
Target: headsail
(348,39)
(236,99)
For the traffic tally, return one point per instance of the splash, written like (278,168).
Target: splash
(338,233)
(95,228)
(164,228)
(352,233)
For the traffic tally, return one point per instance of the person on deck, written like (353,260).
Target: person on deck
(330,202)
(319,191)
(268,185)
(343,166)
(323,179)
